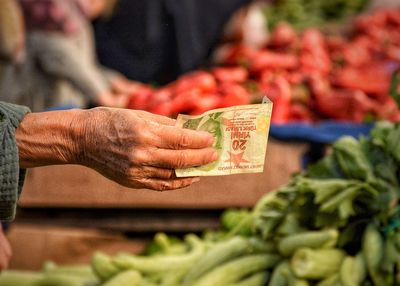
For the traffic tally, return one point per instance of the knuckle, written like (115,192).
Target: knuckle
(133,157)
(182,159)
(147,134)
(141,156)
(184,140)
(131,174)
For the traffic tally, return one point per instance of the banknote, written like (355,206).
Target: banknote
(241,135)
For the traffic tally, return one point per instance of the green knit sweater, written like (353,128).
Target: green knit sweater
(11,177)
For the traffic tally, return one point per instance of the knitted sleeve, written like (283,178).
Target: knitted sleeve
(11,177)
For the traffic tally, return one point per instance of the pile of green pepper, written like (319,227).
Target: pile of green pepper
(337,223)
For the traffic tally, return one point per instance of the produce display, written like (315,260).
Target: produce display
(309,76)
(338,223)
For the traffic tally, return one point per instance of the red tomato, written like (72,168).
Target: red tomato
(234,94)
(231,74)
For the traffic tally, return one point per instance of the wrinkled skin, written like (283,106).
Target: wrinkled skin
(134,148)
(141,149)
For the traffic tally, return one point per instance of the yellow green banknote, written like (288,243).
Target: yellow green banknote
(241,135)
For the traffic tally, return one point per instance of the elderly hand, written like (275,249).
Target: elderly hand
(5,250)
(134,148)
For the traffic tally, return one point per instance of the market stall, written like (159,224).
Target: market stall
(323,212)
(337,222)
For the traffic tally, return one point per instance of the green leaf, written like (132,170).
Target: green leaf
(394,84)
(393,140)
(328,167)
(352,159)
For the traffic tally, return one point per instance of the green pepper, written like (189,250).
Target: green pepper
(311,239)
(372,247)
(316,264)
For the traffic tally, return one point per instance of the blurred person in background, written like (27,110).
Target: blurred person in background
(155,41)
(57,65)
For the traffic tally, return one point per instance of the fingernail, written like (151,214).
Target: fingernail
(214,156)
(211,141)
(195,180)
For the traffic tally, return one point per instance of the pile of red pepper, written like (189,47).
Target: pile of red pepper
(310,76)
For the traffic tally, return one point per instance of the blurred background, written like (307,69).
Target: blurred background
(330,68)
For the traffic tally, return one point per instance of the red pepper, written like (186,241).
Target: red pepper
(387,109)
(273,60)
(395,117)
(160,96)
(358,52)
(281,94)
(206,102)
(198,79)
(314,55)
(234,54)
(283,36)
(364,23)
(373,79)
(141,98)
(185,102)
(164,108)
(348,105)
(300,113)
(231,74)
(233,94)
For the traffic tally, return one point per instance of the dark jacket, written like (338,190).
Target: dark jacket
(157,40)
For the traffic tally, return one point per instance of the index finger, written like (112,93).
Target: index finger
(171,137)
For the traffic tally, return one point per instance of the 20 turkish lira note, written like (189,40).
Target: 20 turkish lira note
(241,136)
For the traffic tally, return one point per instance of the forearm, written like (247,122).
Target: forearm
(48,138)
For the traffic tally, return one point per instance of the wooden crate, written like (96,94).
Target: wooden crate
(76,186)
(34,244)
